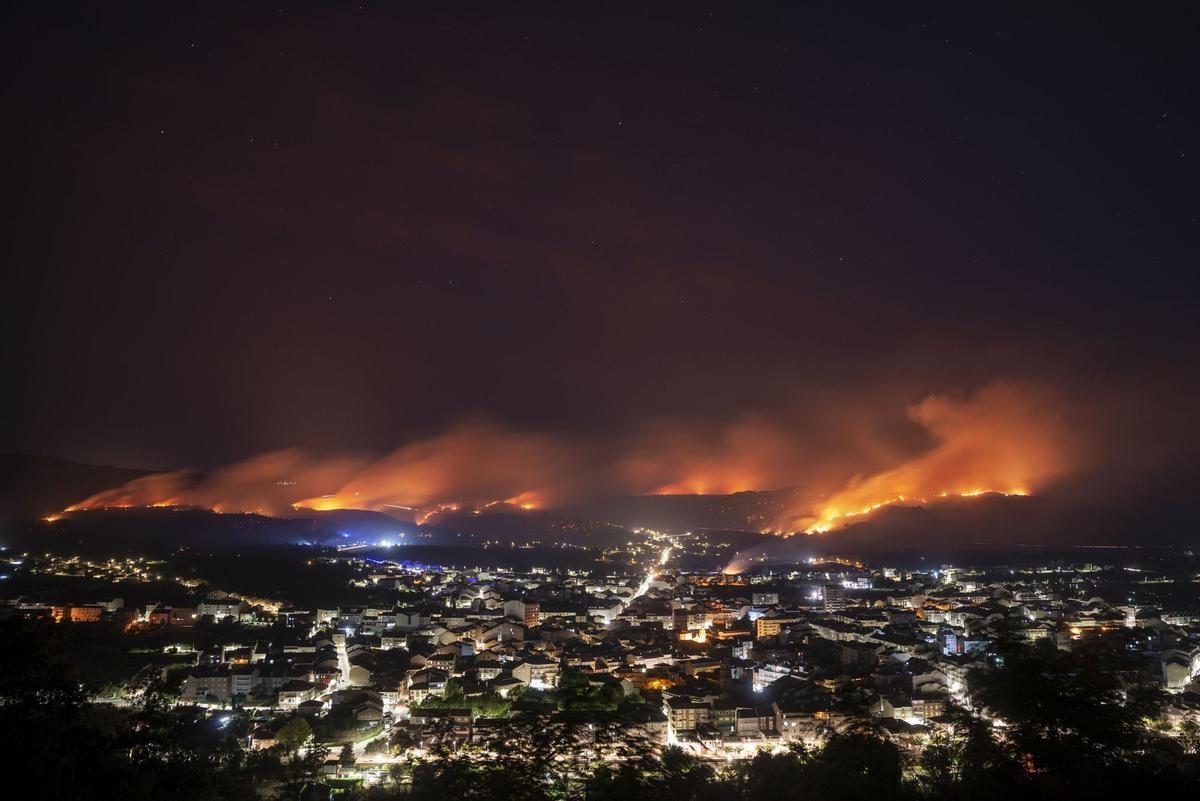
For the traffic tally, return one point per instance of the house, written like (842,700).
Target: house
(453,717)
(220,683)
(685,715)
(358,676)
(311,709)
(649,723)
(503,685)
(537,671)
(1176,671)
(220,609)
(798,722)
(296,692)
(424,683)
(368,709)
(770,624)
(745,721)
(488,669)
(91,613)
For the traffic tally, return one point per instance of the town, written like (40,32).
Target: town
(722,666)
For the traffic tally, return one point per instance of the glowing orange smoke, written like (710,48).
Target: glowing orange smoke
(268,484)
(474,466)
(527,500)
(1008,439)
(749,454)
(832,516)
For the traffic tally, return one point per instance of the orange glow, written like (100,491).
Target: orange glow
(1005,440)
(832,516)
(837,560)
(471,468)
(325,503)
(1008,438)
(526,500)
(425,517)
(672,459)
(697,486)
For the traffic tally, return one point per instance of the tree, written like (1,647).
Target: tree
(379,745)
(294,734)
(576,692)
(346,760)
(537,757)
(1064,711)
(673,775)
(488,705)
(939,760)
(314,760)
(1189,735)
(984,763)
(857,766)
(401,741)
(41,712)
(766,777)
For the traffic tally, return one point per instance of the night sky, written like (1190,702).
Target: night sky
(343,227)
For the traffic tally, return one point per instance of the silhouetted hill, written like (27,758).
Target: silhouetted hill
(957,528)
(741,511)
(160,531)
(32,487)
(35,486)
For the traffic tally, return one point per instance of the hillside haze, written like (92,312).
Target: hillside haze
(36,486)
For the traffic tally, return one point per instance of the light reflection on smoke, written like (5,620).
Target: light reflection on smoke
(1008,437)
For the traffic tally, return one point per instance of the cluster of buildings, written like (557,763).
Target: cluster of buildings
(722,665)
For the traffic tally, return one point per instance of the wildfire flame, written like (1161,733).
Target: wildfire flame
(1007,439)
(831,517)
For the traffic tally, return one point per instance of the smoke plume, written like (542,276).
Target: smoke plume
(1008,437)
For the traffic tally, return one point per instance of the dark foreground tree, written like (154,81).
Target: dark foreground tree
(346,758)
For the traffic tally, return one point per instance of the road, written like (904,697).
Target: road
(343,663)
(644,587)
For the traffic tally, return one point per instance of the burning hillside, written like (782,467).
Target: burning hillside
(1008,438)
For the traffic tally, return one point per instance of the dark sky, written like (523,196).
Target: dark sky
(341,227)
